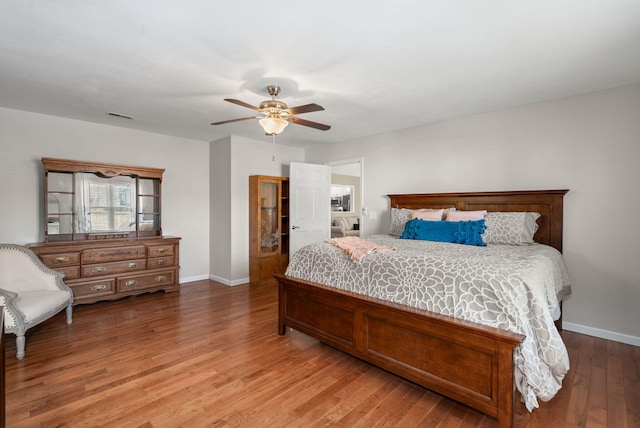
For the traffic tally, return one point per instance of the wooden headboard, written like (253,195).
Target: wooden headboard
(546,202)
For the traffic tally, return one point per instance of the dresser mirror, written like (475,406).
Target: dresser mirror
(88,200)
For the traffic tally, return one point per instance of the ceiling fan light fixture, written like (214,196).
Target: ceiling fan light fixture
(276,114)
(273,125)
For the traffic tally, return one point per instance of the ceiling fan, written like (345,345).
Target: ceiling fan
(276,115)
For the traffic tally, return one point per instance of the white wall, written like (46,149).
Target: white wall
(589,144)
(220,210)
(27,137)
(239,158)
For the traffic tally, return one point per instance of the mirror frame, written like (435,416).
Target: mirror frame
(104,170)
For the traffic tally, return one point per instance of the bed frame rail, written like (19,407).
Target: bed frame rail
(467,362)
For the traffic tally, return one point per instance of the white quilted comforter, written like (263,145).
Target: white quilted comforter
(515,288)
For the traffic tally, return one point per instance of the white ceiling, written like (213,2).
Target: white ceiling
(375,66)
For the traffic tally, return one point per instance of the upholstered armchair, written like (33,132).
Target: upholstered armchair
(30,292)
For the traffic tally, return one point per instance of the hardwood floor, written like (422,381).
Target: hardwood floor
(210,356)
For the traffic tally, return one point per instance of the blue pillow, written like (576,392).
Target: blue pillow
(458,232)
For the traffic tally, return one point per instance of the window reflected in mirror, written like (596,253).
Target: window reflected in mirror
(105,204)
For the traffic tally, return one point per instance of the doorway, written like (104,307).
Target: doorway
(346,197)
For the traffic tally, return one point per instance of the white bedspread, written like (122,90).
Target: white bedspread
(515,288)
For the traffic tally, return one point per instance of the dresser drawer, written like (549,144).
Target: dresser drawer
(161,250)
(139,282)
(161,262)
(60,259)
(95,288)
(113,268)
(98,270)
(102,255)
(70,272)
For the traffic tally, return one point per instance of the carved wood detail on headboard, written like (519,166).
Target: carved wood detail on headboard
(549,203)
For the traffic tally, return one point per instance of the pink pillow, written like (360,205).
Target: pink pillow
(428,215)
(465,215)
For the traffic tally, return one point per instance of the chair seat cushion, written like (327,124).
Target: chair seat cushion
(36,305)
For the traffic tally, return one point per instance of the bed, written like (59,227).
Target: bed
(466,361)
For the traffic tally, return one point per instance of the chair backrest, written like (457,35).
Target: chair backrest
(21,270)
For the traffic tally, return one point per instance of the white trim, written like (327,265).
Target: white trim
(227,282)
(193,278)
(604,334)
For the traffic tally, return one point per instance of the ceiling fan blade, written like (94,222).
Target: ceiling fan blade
(234,120)
(310,124)
(307,108)
(242,103)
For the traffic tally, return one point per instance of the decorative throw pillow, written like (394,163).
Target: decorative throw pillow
(343,223)
(466,215)
(435,215)
(458,232)
(445,211)
(400,217)
(511,228)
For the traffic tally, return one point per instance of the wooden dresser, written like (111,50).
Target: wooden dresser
(110,269)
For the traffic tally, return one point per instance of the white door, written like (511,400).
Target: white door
(309,204)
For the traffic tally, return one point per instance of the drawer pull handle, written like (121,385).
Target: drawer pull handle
(161,262)
(161,250)
(98,269)
(132,265)
(131,282)
(160,278)
(59,260)
(99,287)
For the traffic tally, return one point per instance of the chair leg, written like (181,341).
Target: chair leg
(20,346)
(69,314)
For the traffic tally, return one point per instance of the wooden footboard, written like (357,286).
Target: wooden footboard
(461,360)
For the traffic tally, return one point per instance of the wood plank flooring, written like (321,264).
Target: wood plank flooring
(209,356)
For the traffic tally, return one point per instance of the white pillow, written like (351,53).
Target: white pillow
(511,228)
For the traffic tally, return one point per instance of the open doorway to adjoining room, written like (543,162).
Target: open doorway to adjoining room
(346,198)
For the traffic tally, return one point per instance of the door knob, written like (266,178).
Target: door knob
(295,227)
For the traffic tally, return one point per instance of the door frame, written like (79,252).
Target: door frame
(359,161)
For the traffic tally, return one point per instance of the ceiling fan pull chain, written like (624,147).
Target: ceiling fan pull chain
(273,139)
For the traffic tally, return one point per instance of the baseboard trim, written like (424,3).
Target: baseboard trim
(231,283)
(603,334)
(193,278)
